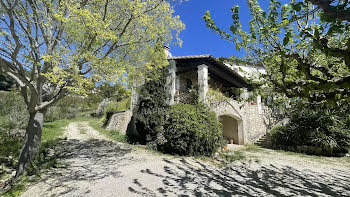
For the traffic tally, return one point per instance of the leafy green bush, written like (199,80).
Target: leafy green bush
(324,128)
(280,136)
(98,99)
(192,130)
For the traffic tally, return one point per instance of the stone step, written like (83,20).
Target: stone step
(261,141)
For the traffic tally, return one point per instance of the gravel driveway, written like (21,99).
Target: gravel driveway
(99,167)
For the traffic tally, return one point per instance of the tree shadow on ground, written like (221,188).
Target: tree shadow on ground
(194,178)
(83,160)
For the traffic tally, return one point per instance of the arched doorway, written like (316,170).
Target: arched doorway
(231,128)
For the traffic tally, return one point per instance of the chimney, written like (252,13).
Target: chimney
(167,51)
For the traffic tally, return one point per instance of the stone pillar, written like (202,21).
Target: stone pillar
(134,97)
(177,88)
(258,101)
(172,81)
(203,82)
(245,96)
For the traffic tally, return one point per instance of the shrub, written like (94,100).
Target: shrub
(52,114)
(13,113)
(100,111)
(280,137)
(9,146)
(67,108)
(151,112)
(324,128)
(192,130)
(113,107)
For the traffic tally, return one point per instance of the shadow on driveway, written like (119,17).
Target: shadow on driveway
(84,161)
(185,178)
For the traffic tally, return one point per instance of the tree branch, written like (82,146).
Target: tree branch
(333,11)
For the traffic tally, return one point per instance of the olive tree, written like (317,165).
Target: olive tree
(55,47)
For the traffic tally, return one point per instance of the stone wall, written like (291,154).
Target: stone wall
(254,124)
(251,124)
(119,121)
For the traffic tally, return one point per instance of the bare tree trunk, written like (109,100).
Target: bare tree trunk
(31,143)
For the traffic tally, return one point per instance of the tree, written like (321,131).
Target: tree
(53,48)
(152,110)
(304,50)
(339,9)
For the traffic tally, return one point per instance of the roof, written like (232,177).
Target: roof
(190,57)
(216,67)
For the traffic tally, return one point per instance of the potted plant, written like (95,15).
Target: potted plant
(224,144)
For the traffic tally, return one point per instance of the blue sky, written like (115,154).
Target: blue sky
(197,38)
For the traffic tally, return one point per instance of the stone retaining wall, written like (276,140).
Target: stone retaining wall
(119,121)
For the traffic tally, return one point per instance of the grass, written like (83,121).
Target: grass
(10,146)
(16,189)
(111,134)
(232,156)
(53,130)
(253,148)
(253,152)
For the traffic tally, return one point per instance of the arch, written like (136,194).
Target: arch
(232,128)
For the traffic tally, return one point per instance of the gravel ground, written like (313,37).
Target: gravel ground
(99,167)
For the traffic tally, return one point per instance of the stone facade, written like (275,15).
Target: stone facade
(245,120)
(250,124)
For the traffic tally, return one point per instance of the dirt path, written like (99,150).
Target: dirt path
(99,167)
(82,131)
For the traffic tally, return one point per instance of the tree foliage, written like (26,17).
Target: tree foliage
(339,9)
(313,126)
(304,50)
(52,48)
(66,46)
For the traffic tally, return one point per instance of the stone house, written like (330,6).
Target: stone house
(219,86)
